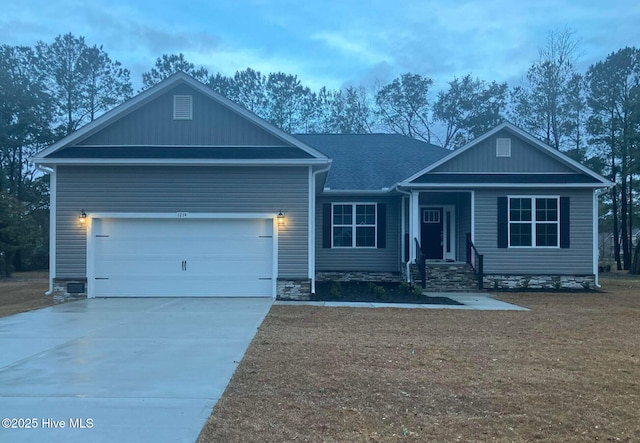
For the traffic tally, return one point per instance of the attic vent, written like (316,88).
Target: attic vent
(503,147)
(182,107)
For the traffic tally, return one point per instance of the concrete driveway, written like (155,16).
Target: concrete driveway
(123,370)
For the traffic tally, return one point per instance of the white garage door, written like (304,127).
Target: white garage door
(181,257)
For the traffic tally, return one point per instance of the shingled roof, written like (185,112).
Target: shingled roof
(370,162)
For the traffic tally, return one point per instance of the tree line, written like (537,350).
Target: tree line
(51,89)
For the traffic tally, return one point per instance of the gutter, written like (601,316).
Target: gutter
(52,224)
(596,252)
(312,224)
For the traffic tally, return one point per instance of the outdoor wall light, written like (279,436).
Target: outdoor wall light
(83,217)
(280,217)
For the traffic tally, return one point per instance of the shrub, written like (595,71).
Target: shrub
(405,288)
(524,284)
(378,292)
(557,285)
(336,290)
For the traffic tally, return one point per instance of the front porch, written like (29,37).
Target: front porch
(437,227)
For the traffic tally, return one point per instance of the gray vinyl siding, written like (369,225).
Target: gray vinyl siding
(525,158)
(361,259)
(176,189)
(575,260)
(212,124)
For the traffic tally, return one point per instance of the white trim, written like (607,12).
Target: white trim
(518,132)
(533,222)
(53,205)
(90,258)
(179,162)
(179,146)
(504,185)
(189,215)
(595,251)
(312,223)
(403,227)
(159,89)
(414,224)
(453,254)
(473,216)
(327,191)
(275,232)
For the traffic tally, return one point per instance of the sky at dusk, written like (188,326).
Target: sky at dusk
(332,43)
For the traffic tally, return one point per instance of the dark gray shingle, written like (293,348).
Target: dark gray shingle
(372,161)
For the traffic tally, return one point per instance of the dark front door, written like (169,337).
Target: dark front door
(432,234)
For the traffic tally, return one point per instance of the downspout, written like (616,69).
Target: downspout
(52,224)
(596,251)
(408,263)
(312,225)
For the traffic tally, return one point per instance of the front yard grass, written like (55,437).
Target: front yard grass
(24,291)
(568,370)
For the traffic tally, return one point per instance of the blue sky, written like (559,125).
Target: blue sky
(332,43)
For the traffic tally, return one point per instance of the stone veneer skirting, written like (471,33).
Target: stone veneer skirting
(61,286)
(445,277)
(523,282)
(293,289)
(376,277)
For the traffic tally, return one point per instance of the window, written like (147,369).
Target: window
(503,147)
(354,225)
(182,107)
(533,222)
(431,216)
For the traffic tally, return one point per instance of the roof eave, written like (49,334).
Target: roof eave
(408,186)
(179,162)
(384,191)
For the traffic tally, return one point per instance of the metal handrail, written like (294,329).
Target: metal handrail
(421,261)
(476,260)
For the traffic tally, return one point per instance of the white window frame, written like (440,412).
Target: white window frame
(354,225)
(534,222)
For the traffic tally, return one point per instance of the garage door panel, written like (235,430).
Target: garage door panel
(178,257)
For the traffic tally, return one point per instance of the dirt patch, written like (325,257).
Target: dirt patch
(24,292)
(568,370)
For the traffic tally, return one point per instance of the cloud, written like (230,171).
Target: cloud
(332,42)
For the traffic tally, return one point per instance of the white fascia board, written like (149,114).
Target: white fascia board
(356,192)
(149,94)
(178,162)
(519,132)
(504,185)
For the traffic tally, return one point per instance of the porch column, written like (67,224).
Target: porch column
(414,223)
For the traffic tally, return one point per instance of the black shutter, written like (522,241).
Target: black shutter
(382,225)
(564,222)
(326,225)
(503,222)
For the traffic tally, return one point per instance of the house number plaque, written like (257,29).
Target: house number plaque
(182,214)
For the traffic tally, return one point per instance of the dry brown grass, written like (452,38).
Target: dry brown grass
(24,291)
(568,370)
